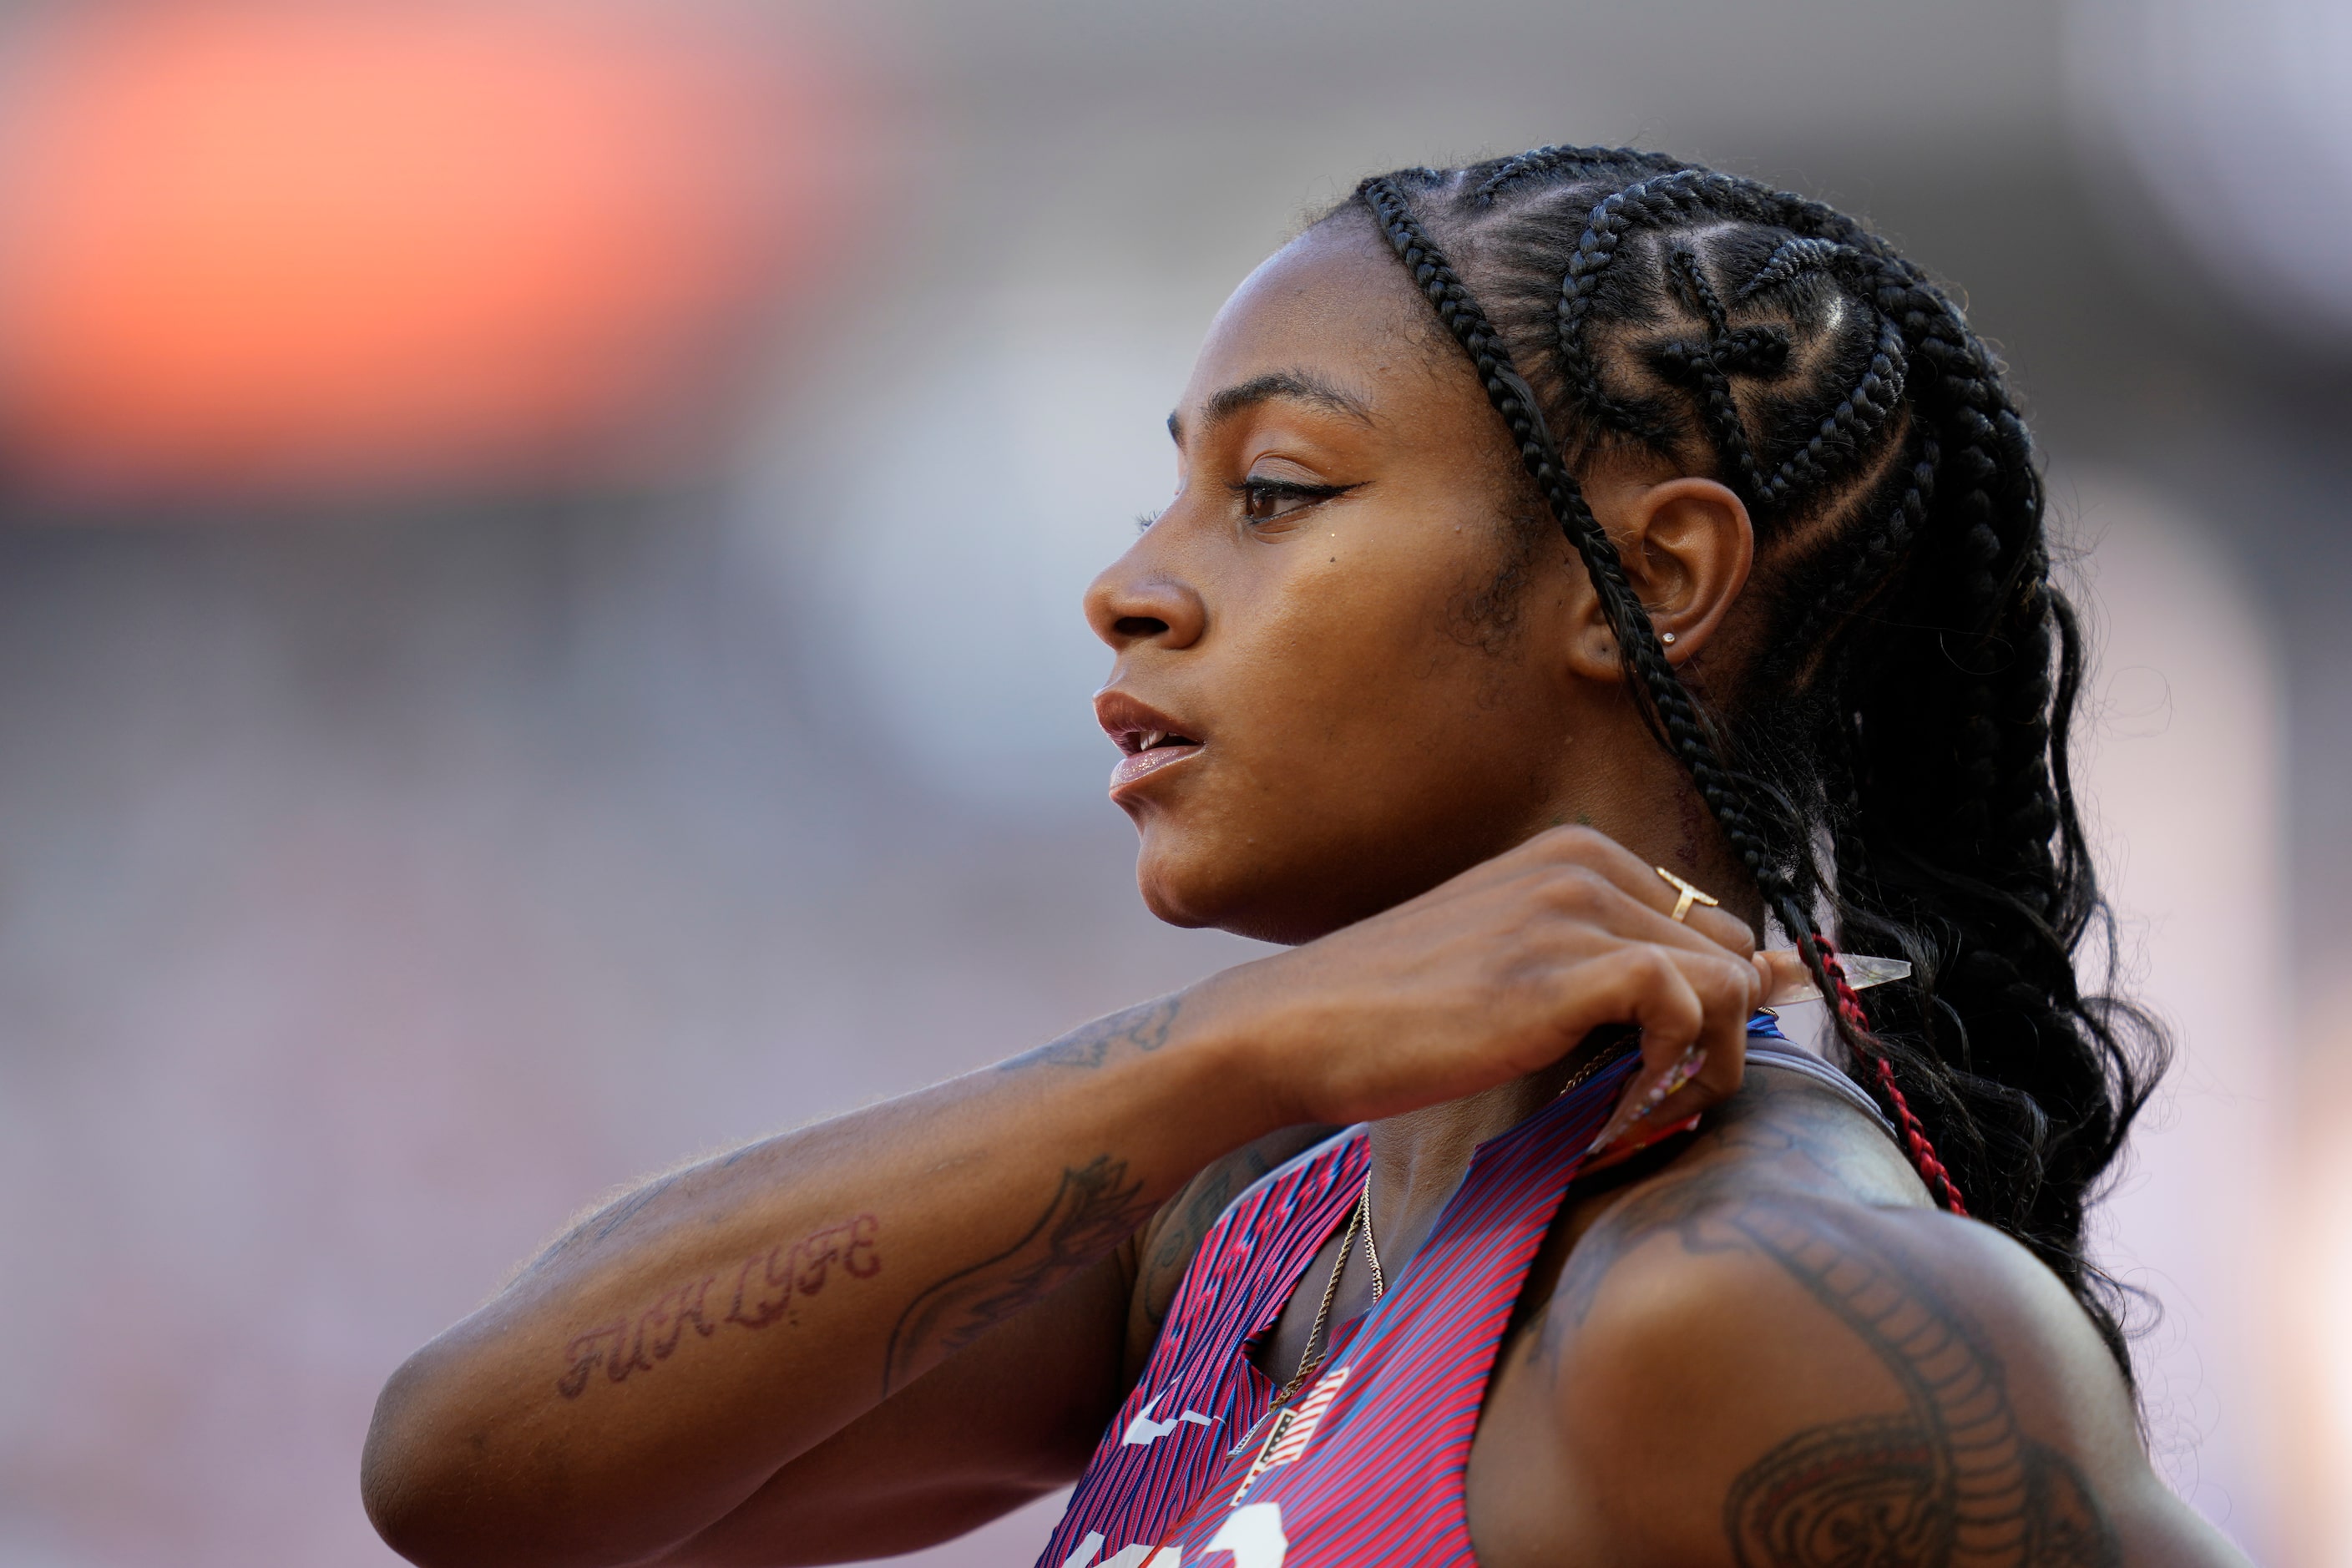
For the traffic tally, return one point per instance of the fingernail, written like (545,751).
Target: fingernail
(1687,1066)
(1692,1062)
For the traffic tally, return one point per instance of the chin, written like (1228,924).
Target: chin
(1196,887)
(1235,888)
(1180,891)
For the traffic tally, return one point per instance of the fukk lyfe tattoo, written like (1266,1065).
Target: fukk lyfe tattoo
(763,1290)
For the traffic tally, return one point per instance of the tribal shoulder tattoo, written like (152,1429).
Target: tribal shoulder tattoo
(1951,1481)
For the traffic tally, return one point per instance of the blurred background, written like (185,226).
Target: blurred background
(539,548)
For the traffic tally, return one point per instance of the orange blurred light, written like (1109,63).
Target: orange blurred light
(270,246)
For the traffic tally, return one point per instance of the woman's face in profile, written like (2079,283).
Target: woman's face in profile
(1331,674)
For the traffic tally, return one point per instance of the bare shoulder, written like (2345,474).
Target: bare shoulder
(1743,1364)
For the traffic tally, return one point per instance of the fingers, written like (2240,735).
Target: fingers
(1690,985)
(1786,978)
(1514,963)
(1595,853)
(1675,997)
(1587,908)
(1692,1013)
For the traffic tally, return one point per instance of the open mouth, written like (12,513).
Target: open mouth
(1134,742)
(1148,739)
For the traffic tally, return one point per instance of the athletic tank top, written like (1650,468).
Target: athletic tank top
(1371,1464)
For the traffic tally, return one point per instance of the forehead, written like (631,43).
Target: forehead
(1333,303)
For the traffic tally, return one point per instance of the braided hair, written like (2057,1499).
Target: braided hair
(1896,756)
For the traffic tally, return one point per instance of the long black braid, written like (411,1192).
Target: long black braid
(1919,671)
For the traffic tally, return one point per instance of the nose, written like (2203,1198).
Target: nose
(1137,601)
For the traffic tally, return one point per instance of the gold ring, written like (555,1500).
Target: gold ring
(1689,896)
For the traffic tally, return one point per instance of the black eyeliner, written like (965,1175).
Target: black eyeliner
(1294,488)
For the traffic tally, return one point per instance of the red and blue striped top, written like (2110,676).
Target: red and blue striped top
(1371,1467)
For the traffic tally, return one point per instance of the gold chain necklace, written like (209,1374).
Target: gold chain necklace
(1359,1218)
(1372,1248)
(1607,1055)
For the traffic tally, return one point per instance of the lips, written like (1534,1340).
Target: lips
(1150,738)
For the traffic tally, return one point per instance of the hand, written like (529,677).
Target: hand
(1495,975)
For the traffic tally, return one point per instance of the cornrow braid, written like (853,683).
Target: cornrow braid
(1843,429)
(1629,620)
(1709,364)
(1544,161)
(1793,260)
(1893,752)
(1875,558)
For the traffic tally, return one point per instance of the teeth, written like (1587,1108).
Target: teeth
(1149,739)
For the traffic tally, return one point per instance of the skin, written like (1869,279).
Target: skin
(1416,763)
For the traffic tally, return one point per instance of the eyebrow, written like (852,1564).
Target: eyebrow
(1290,386)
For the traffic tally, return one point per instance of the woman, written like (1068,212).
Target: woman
(1555,539)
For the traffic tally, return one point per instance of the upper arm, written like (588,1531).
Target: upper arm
(1768,1377)
(1168,1244)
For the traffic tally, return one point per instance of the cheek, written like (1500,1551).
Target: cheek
(1367,675)
(1367,749)
(1339,658)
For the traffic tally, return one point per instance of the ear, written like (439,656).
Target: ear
(1688,546)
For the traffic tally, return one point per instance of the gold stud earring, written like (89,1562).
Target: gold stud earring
(1668,640)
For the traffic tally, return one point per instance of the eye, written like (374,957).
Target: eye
(1270,501)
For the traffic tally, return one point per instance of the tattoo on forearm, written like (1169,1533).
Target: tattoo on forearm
(602,1224)
(1144,1028)
(764,1289)
(1095,1209)
(1952,1481)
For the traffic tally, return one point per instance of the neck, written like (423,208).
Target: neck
(1418,1159)
(1631,788)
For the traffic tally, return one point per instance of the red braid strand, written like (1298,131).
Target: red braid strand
(1915,1137)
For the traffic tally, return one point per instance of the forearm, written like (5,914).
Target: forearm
(656,1367)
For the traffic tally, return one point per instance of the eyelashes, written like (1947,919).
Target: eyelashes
(1263,500)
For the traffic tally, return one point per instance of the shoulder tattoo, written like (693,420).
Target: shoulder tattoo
(1951,1481)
